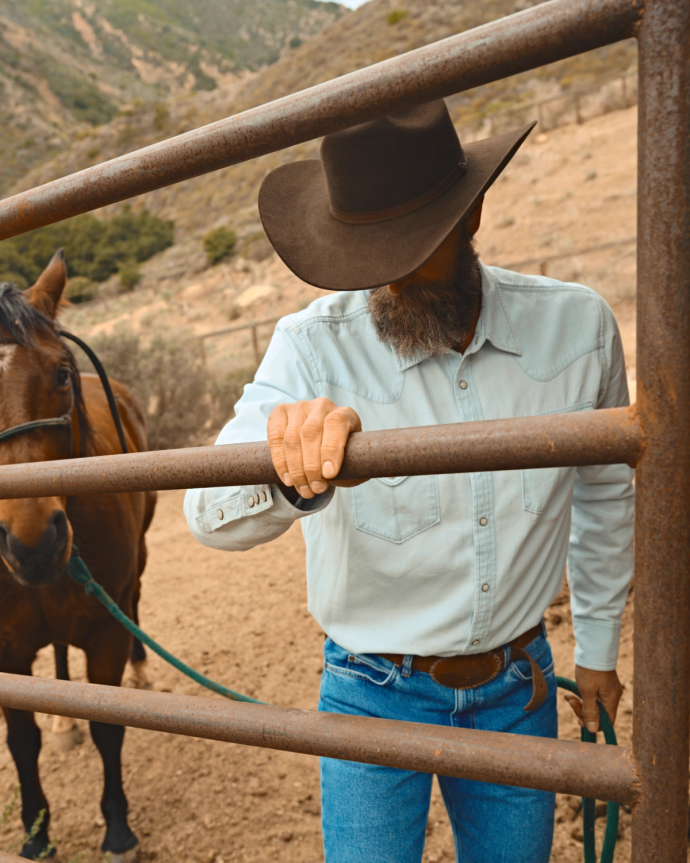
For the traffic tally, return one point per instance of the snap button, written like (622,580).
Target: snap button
(475,642)
(263,495)
(220,514)
(485,587)
(483,521)
(251,501)
(463,385)
(257,498)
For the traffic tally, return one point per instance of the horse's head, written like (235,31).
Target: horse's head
(38,381)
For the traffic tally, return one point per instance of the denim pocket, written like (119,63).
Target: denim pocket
(540,651)
(370,667)
(397,508)
(540,484)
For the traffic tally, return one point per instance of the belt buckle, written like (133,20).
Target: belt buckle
(467,672)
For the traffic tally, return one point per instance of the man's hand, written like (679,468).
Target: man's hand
(307,442)
(602,685)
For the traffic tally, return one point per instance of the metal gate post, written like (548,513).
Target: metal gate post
(662,583)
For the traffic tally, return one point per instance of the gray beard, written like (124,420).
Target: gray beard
(430,317)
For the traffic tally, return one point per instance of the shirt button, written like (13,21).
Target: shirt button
(263,495)
(475,642)
(220,514)
(463,385)
(485,588)
(483,521)
(251,501)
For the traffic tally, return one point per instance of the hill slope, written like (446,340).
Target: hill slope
(66,65)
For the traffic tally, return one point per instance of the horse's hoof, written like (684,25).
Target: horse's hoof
(130,856)
(136,677)
(66,734)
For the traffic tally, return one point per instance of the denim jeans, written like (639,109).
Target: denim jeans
(373,814)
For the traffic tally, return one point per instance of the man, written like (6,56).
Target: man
(431,589)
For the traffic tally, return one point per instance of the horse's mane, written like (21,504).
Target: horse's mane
(23,324)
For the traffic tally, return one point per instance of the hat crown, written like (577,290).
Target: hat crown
(390,161)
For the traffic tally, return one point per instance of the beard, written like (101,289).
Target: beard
(431,317)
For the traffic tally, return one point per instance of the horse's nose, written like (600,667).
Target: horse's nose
(42,563)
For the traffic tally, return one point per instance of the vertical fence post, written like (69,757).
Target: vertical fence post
(662,582)
(255,345)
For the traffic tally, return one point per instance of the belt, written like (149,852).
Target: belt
(467,671)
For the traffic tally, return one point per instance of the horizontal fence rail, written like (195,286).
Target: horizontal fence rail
(10,858)
(552,440)
(602,772)
(529,39)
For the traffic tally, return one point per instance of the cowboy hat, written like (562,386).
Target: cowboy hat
(381,199)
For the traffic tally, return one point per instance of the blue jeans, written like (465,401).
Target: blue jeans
(374,814)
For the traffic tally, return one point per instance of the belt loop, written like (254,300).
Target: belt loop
(407,665)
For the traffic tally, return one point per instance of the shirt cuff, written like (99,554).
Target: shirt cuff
(596,643)
(252,500)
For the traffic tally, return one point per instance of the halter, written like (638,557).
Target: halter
(66,418)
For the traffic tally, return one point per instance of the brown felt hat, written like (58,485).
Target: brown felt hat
(381,199)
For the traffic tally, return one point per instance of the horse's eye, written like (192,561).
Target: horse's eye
(63,377)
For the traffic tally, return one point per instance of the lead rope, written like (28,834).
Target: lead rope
(79,572)
(588,805)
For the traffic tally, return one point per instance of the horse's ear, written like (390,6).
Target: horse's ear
(46,293)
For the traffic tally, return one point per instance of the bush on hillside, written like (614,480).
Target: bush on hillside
(219,243)
(184,404)
(130,275)
(94,248)
(81,290)
(396,16)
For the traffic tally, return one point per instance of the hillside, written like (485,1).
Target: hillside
(373,32)
(69,65)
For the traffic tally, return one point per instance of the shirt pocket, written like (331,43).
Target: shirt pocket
(397,508)
(540,484)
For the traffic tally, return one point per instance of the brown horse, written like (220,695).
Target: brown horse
(39,604)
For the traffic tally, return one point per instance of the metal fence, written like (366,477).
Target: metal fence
(655,436)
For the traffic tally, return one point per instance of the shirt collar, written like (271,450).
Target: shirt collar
(493,326)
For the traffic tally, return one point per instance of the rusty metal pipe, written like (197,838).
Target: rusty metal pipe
(552,440)
(10,858)
(585,769)
(661,706)
(526,40)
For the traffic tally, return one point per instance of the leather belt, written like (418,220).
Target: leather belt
(467,671)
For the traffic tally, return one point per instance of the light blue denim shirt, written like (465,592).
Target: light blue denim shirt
(441,565)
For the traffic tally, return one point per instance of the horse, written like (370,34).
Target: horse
(39,604)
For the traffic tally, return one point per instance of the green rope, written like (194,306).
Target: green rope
(79,572)
(588,805)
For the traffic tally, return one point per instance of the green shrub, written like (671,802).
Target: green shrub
(130,275)
(94,248)
(81,290)
(219,243)
(396,16)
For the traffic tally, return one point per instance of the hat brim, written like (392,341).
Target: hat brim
(340,256)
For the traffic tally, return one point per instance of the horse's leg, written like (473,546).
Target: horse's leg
(65,731)
(137,678)
(106,659)
(24,743)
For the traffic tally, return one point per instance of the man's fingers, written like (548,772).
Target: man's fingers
(576,705)
(292,449)
(311,435)
(590,711)
(277,423)
(337,428)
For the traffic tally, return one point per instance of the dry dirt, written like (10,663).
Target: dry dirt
(242,618)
